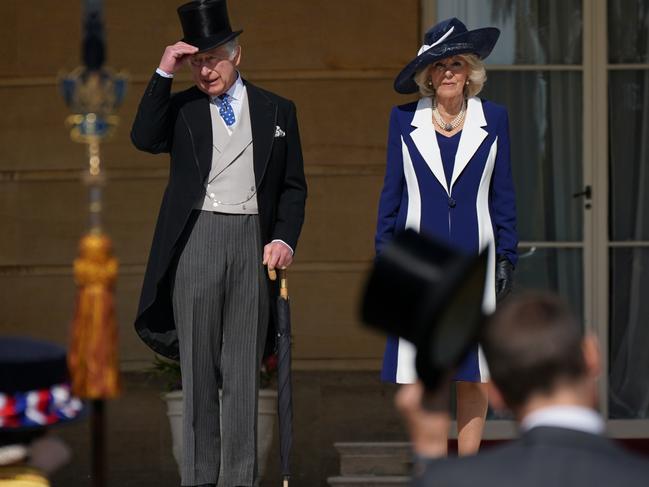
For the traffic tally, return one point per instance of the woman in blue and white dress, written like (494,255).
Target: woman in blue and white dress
(448,175)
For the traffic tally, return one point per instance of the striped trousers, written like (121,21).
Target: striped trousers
(220,302)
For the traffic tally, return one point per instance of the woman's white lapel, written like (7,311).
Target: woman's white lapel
(425,138)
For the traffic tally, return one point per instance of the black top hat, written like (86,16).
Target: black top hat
(34,385)
(206,24)
(430,294)
(448,38)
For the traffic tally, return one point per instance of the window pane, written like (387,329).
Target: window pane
(629,333)
(531,31)
(558,270)
(545,123)
(629,155)
(628,31)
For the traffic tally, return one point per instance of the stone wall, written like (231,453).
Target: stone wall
(336,59)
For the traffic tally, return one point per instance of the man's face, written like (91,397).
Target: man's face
(215,71)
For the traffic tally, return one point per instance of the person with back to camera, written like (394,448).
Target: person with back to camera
(234,202)
(545,371)
(448,175)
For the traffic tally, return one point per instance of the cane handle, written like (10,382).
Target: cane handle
(272,274)
(283,284)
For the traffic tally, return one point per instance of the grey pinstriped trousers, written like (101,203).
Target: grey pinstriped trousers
(220,303)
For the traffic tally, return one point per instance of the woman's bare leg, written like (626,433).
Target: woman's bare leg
(471,414)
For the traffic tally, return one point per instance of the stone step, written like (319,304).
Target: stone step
(374,459)
(369,481)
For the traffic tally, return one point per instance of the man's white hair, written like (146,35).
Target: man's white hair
(231,47)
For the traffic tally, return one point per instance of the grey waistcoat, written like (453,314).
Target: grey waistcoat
(230,185)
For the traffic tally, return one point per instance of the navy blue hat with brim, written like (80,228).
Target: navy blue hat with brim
(206,24)
(34,385)
(446,39)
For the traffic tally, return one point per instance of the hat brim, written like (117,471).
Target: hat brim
(207,43)
(480,42)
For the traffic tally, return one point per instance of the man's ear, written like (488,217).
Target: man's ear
(237,57)
(495,397)
(590,349)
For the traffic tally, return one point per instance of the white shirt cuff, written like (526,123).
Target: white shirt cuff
(164,74)
(282,241)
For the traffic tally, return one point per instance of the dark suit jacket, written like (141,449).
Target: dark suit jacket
(542,457)
(181,125)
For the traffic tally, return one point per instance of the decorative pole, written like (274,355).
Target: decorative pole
(93,92)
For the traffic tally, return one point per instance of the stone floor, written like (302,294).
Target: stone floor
(328,407)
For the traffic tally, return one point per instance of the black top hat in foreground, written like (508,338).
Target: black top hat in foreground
(430,294)
(448,38)
(34,386)
(206,24)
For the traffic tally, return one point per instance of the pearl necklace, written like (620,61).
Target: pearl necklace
(453,124)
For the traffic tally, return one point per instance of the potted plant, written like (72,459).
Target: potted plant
(267,410)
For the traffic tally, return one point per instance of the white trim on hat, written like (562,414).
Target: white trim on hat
(425,47)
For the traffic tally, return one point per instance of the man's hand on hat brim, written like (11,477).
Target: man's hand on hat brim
(175,55)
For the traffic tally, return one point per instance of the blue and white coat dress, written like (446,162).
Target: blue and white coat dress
(477,211)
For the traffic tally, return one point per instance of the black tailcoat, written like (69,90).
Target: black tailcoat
(181,124)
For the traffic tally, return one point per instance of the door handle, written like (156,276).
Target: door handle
(586,193)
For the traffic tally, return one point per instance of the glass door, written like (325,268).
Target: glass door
(574,76)
(627,236)
(537,71)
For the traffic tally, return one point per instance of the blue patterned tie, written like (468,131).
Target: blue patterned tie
(225,110)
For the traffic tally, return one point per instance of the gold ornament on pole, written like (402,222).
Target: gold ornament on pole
(93,92)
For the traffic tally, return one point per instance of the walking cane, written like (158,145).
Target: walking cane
(284,392)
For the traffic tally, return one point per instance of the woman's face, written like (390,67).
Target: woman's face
(449,76)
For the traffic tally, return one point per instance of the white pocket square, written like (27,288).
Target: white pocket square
(279,132)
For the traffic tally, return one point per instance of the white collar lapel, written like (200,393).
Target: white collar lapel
(425,139)
(472,136)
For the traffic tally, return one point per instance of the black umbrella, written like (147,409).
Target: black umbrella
(285,395)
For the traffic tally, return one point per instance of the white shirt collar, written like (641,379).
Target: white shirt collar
(235,92)
(571,417)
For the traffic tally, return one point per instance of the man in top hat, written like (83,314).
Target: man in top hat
(544,370)
(234,202)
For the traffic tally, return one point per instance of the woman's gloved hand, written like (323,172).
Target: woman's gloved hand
(504,277)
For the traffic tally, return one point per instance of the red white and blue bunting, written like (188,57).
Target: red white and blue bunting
(38,408)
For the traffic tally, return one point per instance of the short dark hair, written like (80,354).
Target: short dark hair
(532,343)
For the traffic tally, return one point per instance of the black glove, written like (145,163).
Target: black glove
(504,277)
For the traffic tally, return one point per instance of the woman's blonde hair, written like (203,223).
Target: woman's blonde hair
(477,76)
